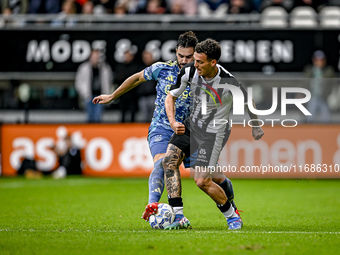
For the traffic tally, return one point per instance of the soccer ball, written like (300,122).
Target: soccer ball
(164,217)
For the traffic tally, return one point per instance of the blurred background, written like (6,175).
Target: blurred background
(48,46)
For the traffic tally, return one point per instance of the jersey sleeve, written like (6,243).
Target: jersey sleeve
(151,72)
(182,82)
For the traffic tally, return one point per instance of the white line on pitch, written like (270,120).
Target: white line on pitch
(186,231)
(51,183)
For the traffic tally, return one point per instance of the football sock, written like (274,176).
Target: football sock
(156,182)
(177,204)
(227,210)
(227,186)
(178,210)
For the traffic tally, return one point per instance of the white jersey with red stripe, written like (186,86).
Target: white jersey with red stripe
(212,102)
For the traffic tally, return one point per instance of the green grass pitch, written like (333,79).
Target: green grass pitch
(102,216)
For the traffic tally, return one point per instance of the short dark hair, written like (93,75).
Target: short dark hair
(209,47)
(187,40)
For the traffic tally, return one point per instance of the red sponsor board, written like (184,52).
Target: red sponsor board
(107,150)
(121,150)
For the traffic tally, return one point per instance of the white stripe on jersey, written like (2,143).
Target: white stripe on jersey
(184,79)
(216,113)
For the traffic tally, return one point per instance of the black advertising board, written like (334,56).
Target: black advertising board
(242,50)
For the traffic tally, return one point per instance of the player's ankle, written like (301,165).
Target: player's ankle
(227,209)
(178,210)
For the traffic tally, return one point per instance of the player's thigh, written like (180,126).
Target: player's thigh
(209,148)
(202,172)
(182,142)
(158,140)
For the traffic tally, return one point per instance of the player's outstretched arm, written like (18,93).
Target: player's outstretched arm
(130,83)
(257,131)
(102,99)
(170,108)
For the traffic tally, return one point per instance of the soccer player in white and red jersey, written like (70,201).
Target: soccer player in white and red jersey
(199,132)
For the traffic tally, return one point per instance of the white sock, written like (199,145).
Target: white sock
(230,213)
(178,210)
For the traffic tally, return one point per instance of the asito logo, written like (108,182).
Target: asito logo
(203,151)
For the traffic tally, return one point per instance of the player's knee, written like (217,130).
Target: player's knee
(170,161)
(158,167)
(166,162)
(203,183)
(218,180)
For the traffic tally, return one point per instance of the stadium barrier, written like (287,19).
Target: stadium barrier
(121,150)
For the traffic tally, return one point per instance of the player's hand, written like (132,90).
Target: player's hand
(150,209)
(102,99)
(179,128)
(257,133)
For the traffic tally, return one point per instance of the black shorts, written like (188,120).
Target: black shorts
(204,148)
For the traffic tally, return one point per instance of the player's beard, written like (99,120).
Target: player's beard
(180,65)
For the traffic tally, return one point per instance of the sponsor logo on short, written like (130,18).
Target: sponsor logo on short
(158,138)
(203,151)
